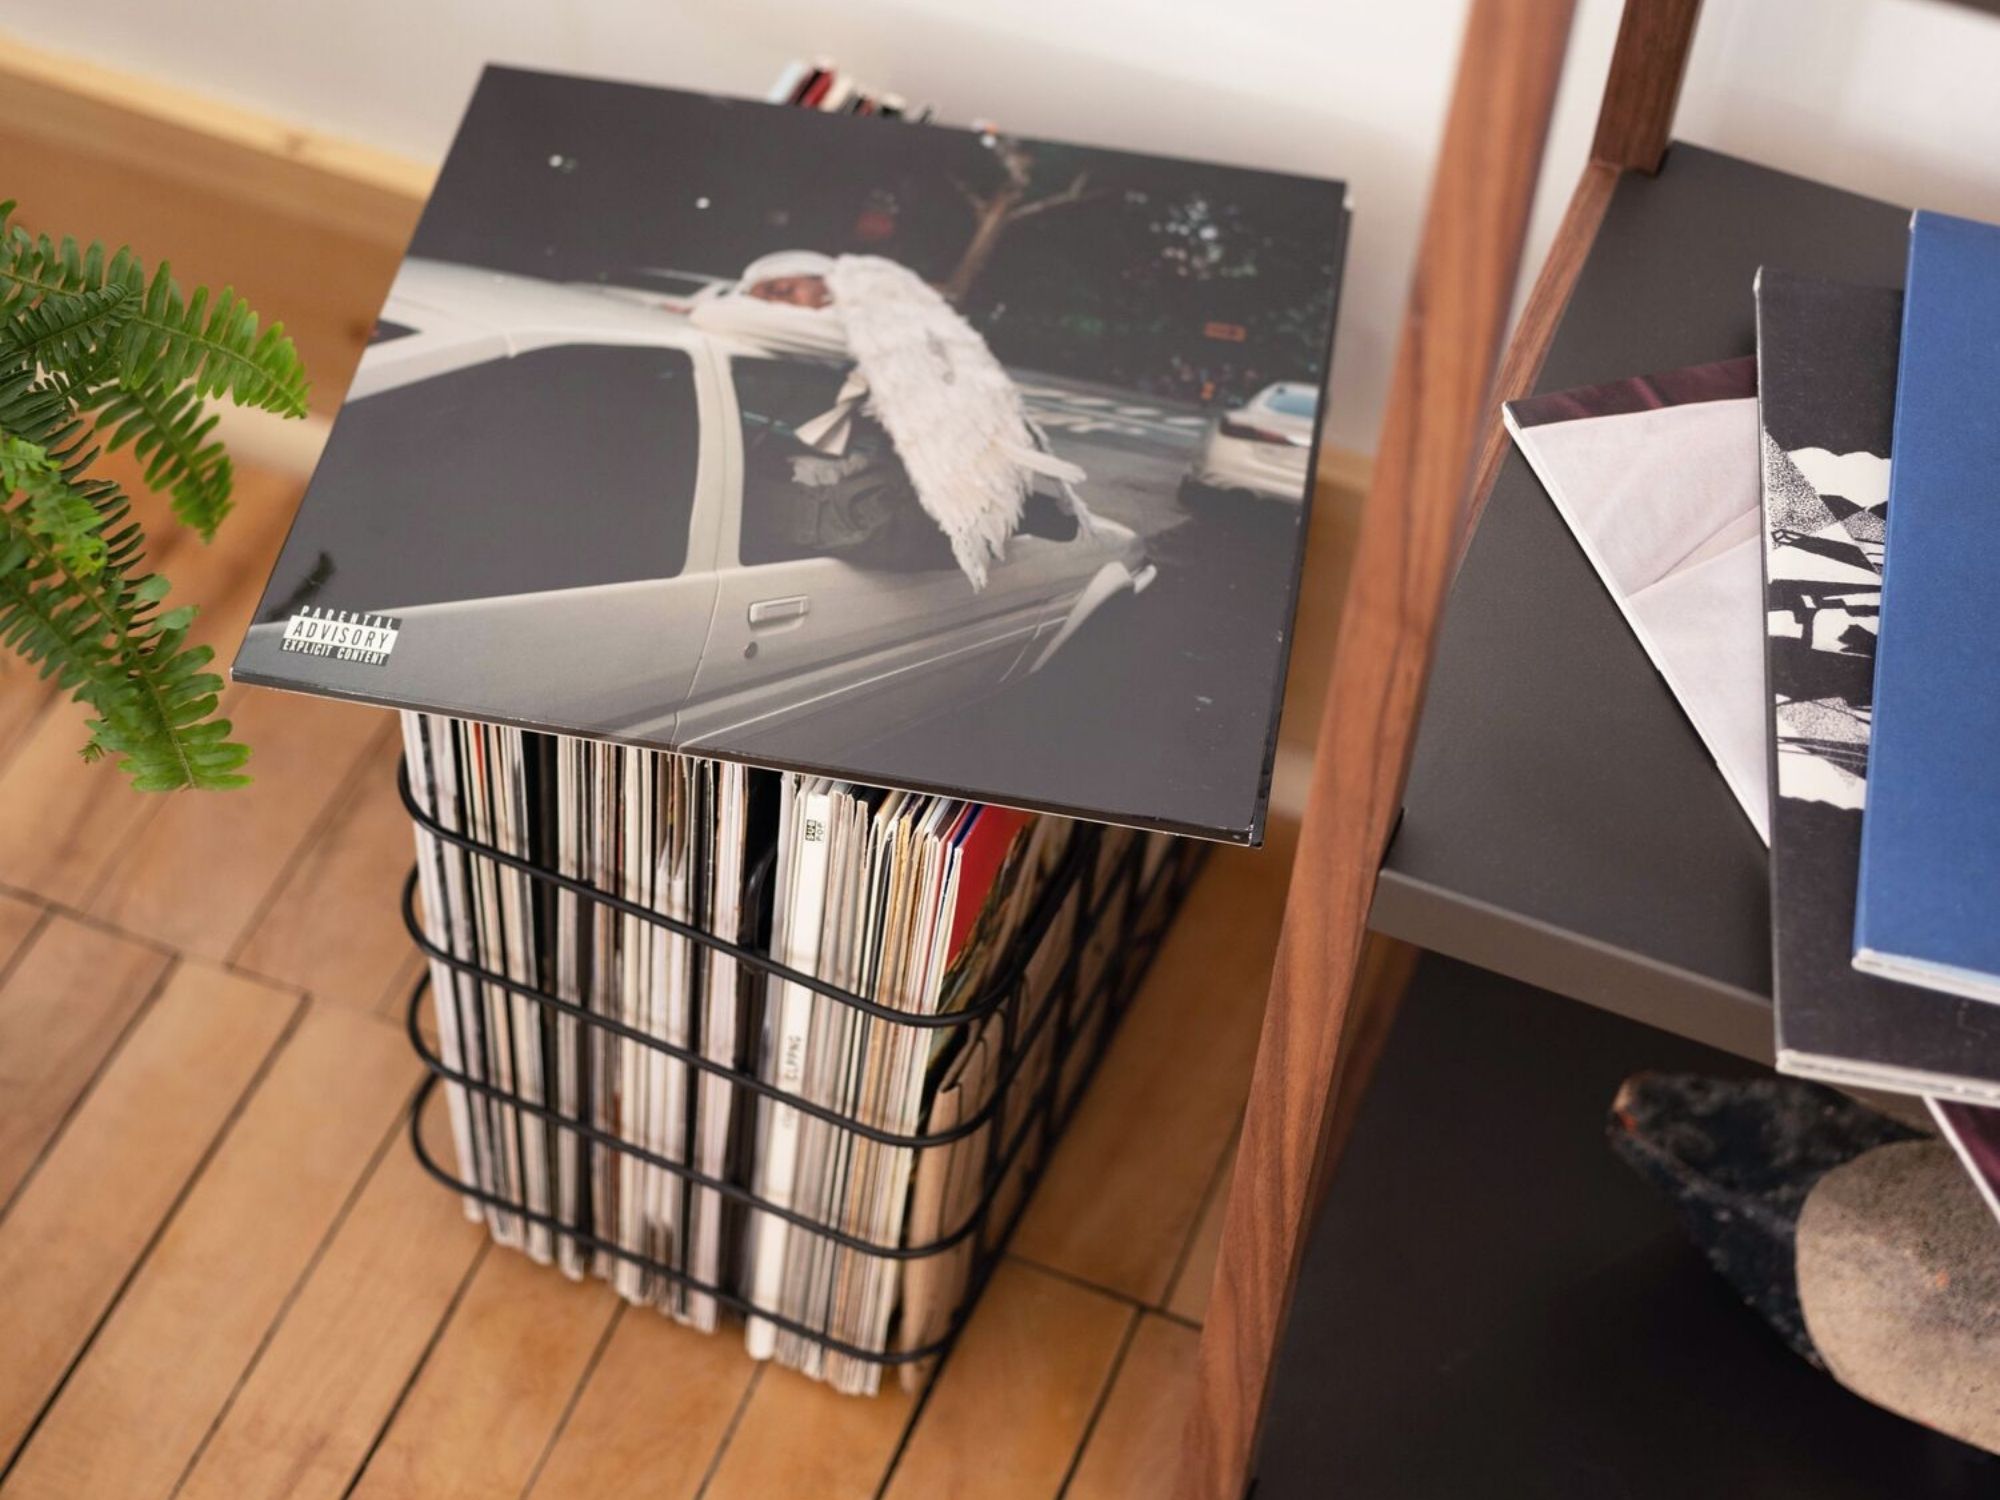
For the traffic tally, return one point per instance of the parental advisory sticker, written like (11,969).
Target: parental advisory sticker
(342,634)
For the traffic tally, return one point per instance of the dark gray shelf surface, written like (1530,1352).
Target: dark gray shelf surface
(1562,822)
(1492,1304)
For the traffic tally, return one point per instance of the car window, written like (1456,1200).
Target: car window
(1293,403)
(1045,516)
(563,467)
(851,500)
(776,397)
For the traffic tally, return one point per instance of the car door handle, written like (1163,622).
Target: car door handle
(776,611)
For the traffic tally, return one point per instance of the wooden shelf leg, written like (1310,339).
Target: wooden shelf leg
(1510,63)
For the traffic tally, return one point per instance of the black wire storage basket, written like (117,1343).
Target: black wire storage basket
(1047,1012)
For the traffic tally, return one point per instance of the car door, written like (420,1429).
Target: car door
(809,653)
(1047,573)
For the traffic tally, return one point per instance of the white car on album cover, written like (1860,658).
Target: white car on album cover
(1261,449)
(781,658)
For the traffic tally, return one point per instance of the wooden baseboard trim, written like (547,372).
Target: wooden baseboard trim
(306,227)
(69,104)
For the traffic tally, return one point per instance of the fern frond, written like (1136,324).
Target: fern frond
(97,630)
(159,722)
(51,508)
(86,334)
(164,339)
(170,433)
(64,331)
(220,351)
(42,410)
(33,267)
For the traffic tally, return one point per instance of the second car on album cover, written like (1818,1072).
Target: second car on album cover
(924,457)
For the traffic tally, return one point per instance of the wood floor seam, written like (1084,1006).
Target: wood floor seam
(416,1370)
(917,1410)
(575,1395)
(729,1433)
(55,908)
(1103,1398)
(29,939)
(138,1265)
(168,970)
(348,786)
(389,1139)
(108,865)
(1122,1298)
(1208,1205)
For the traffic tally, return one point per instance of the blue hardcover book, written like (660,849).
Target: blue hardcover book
(1928,906)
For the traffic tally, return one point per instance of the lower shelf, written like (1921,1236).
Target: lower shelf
(1492,1304)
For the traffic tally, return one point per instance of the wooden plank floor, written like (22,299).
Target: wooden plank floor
(223,1275)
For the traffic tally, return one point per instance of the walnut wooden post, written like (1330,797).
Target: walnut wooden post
(1644,83)
(1438,421)
(1633,124)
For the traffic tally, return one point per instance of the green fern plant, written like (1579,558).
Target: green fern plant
(96,355)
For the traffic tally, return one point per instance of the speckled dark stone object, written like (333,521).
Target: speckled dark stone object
(1737,1157)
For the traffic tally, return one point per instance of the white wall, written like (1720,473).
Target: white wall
(1897,98)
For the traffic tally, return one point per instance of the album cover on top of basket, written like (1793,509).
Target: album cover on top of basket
(940,459)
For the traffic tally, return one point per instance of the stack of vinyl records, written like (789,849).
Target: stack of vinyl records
(821,85)
(820,563)
(913,902)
